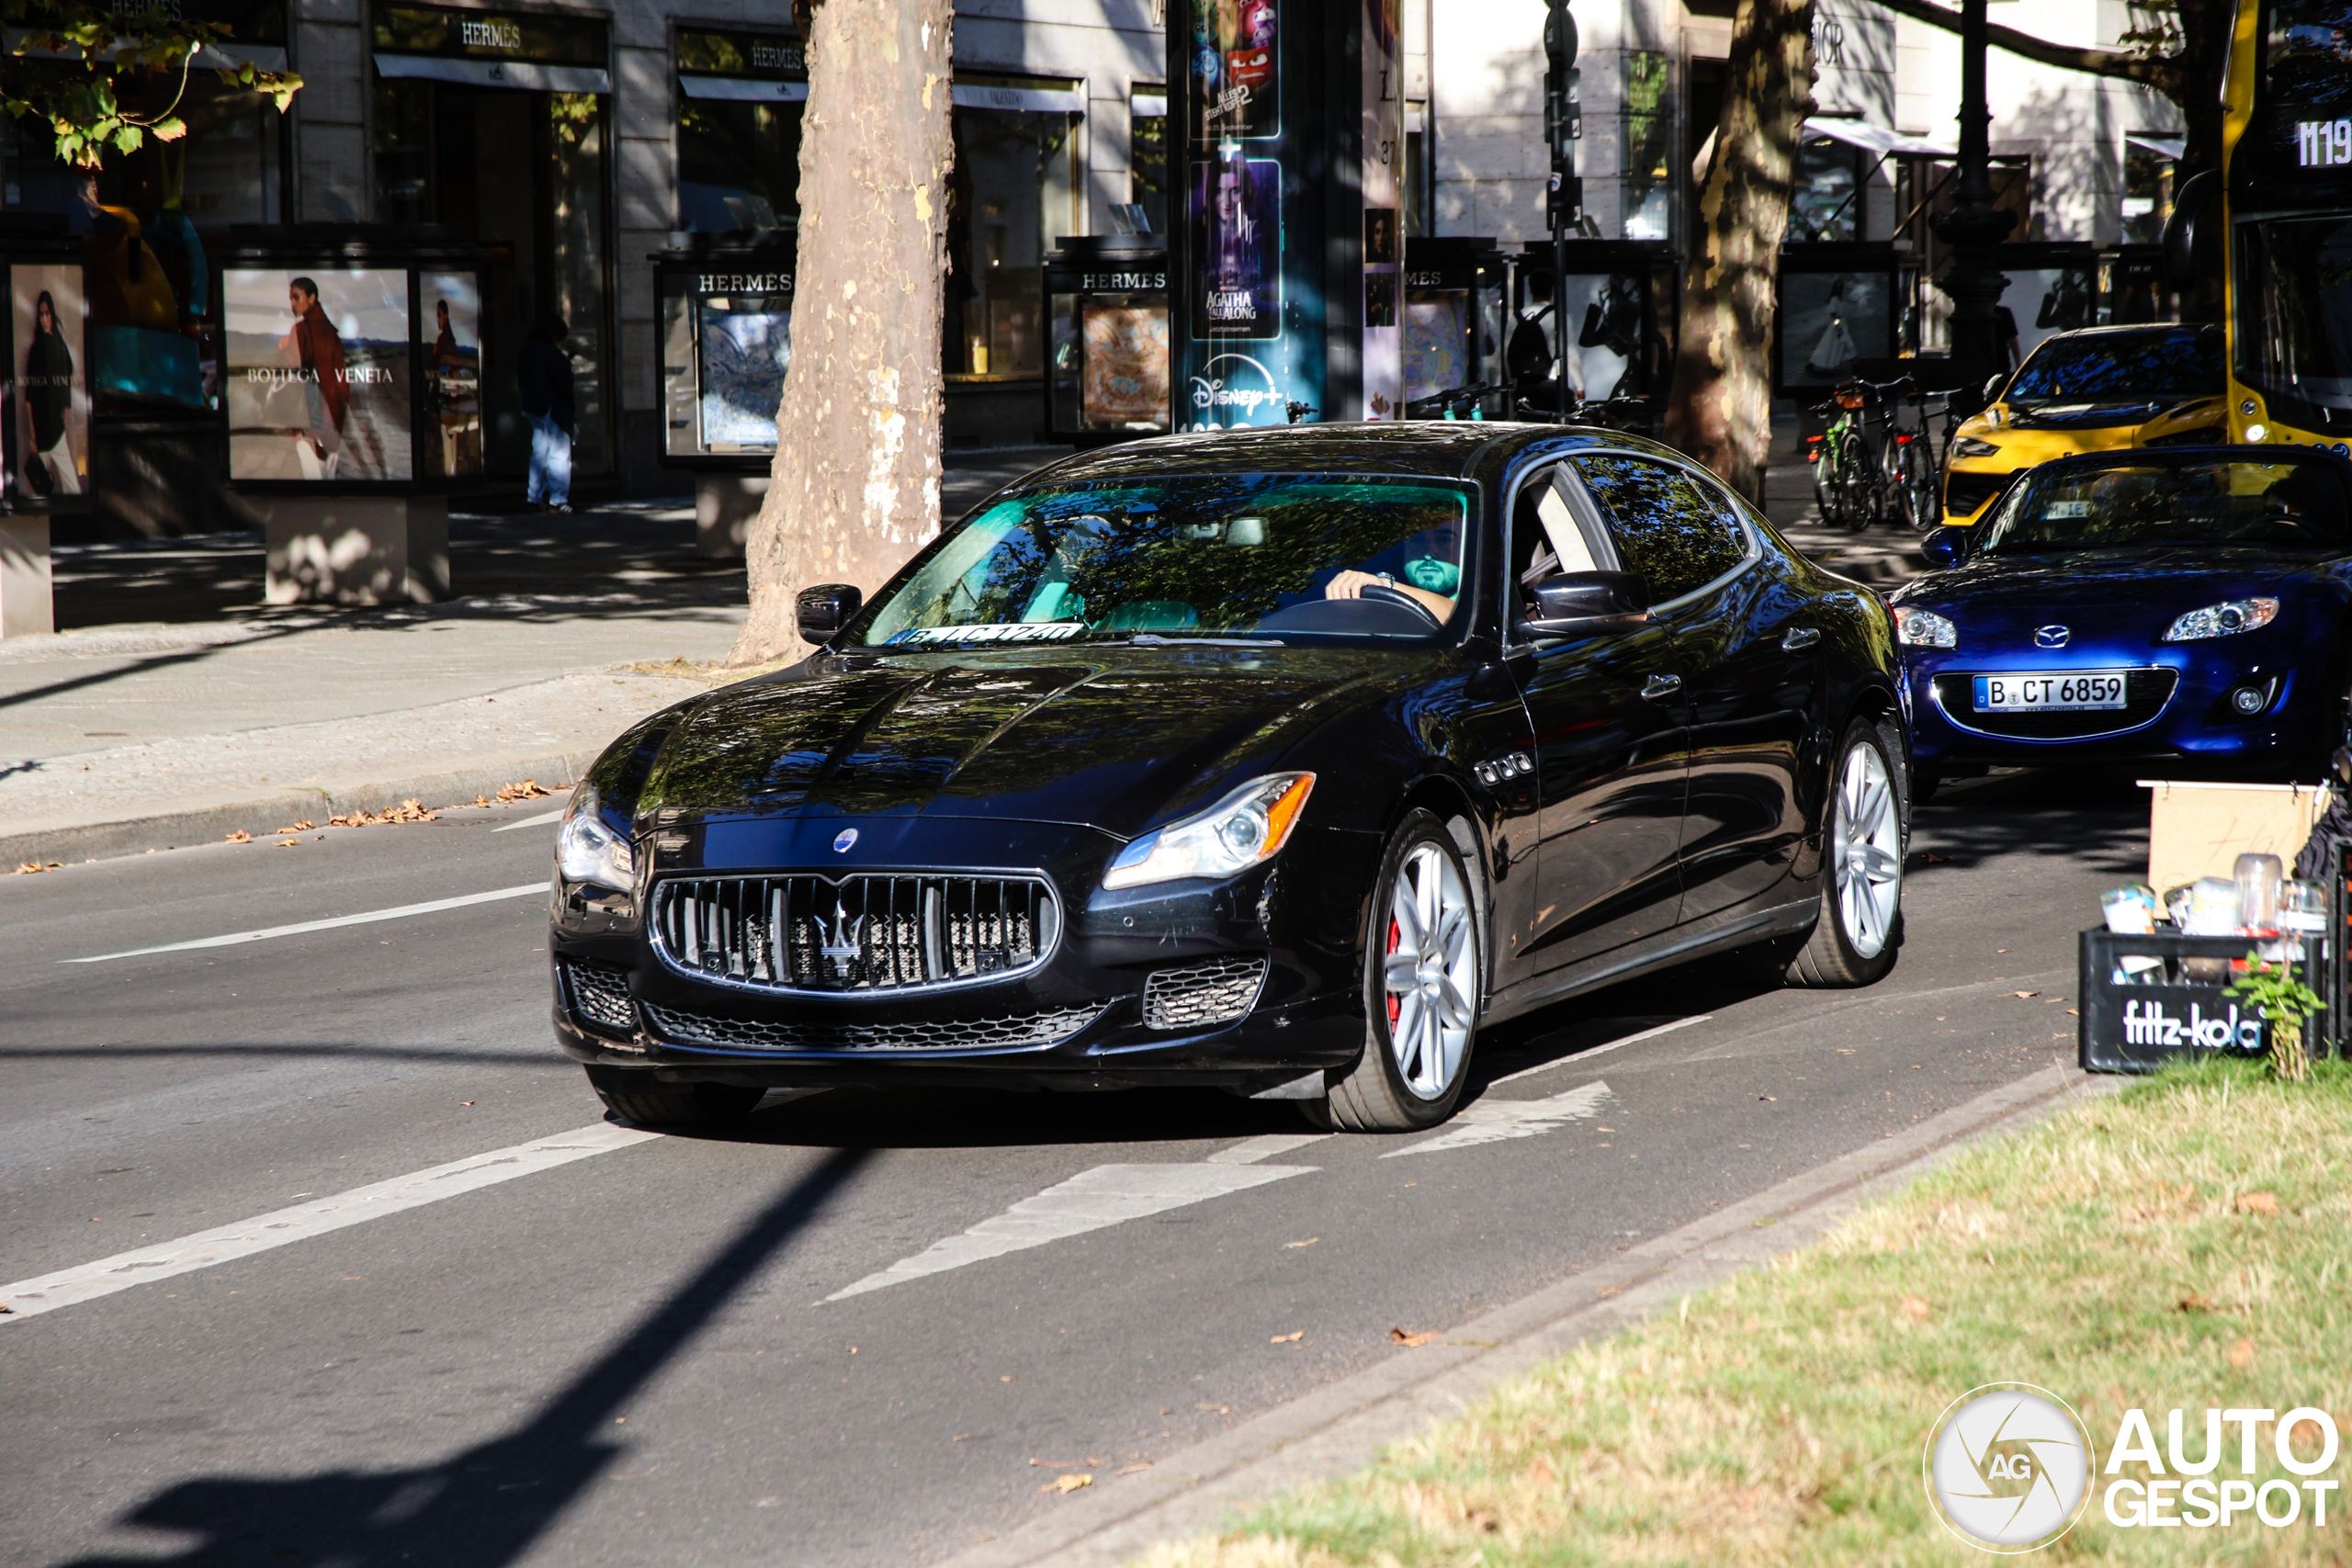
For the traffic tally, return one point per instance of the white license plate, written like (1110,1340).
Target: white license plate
(2071,692)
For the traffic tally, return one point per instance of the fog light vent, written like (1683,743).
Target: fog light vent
(1200,996)
(600,995)
(2249,700)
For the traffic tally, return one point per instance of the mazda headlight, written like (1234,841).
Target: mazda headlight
(1924,629)
(1249,826)
(2227,618)
(1969,447)
(589,850)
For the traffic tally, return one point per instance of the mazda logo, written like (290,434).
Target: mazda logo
(2050,637)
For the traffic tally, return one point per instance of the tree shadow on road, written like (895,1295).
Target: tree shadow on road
(482,1507)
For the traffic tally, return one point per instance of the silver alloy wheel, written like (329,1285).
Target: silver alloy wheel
(1430,977)
(1868,851)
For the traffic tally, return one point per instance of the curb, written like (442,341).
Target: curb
(1343,1427)
(260,815)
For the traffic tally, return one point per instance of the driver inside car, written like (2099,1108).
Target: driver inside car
(1427,578)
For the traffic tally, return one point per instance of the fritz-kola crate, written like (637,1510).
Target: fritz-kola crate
(2178,1007)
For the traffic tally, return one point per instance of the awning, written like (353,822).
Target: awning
(208,57)
(2162,146)
(1019,100)
(1876,139)
(743,89)
(526,74)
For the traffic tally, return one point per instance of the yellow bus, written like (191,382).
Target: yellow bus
(2286,229)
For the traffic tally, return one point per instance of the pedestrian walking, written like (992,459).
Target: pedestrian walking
(546,387)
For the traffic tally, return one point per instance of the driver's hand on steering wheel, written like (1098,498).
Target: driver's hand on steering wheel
(1352,584)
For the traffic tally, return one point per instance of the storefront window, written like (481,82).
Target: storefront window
(2147,194)
(1015,191)
(1649,147)
(740,97)
(1148,156)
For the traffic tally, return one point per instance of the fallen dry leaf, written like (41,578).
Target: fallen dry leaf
(527,790)
(1914,1308)
(33,868)
(2257,1204)
(2022,995)
(289,843)
(1933,858)
(1310,1241)
(2195,1301)
(1287,1338)
(1410,1340)
(2242,1355)
(1220,1409)
(298,828)
(1133,1469)
(1768,1096)
(1067,1463)
(241,837)
(1066,1485)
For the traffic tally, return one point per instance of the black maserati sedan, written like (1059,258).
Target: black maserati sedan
(1278,761)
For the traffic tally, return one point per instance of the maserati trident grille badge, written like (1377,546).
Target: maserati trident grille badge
(840,945)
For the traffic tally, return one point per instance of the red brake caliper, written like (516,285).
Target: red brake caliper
(1393,935)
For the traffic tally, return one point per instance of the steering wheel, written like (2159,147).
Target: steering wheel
(1388,595)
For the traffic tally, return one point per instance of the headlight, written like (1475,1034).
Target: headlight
(1969,447)
(588,851)
(2227,618)
(1924,629)
(1248,825)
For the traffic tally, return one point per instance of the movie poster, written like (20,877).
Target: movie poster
(452,306)
(318,374)
(52,442)
(1235,52)
(1384,234)
(1237,248)
(746,346)
(1125,366)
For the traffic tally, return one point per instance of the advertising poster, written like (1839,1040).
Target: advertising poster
(452,304)
(746,346)
(1830,319)
(52,441)
(1235,68)
(1383,233)
(2045,303)
(1124,383)
(318,374)
(1603,357)
(1437,341)
(1237,243)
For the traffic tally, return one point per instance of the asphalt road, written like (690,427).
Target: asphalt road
(629,1358)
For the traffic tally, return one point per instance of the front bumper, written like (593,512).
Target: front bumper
(1251,984)
(2180,712)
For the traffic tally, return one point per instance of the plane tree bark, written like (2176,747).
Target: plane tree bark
(1720,409)
(854,488)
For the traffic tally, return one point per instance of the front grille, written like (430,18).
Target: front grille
(600,995)
(854,934)
(1198,996)
(1965,492)
(1050,1028)
(2146,692)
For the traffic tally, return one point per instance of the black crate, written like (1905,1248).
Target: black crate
(2138,1026)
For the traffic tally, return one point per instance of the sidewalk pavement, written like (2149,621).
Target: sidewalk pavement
(172,709)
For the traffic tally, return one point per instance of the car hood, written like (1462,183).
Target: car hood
(2133,592)
(2084,416)
(1107,737)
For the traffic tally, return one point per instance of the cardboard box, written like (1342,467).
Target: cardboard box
(2199,830)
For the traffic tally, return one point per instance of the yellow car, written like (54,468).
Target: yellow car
(2088,391)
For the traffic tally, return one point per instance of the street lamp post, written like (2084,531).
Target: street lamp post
(1975,226)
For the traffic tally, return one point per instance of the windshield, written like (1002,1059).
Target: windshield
(1280,554)
(2294,300)
(2296,502)
(2136,367)
(2308,59)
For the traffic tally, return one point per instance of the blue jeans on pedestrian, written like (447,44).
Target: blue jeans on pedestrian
(550,463)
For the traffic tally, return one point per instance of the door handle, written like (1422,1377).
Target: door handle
(1658,686)
(1799,639)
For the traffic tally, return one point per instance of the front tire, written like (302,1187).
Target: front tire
(649,1104)
(1423,988)
(1863,841)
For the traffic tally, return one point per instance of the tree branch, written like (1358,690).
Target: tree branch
(2156,72)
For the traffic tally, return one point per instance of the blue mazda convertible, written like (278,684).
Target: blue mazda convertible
(2184,608)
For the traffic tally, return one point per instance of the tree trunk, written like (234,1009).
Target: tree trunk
(1721,407)
(854,488)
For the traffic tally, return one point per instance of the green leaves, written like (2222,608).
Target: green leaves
(132,48)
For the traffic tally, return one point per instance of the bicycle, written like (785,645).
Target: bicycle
(1847,487)
(1913,477)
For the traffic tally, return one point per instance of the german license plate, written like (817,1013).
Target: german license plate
(2070,692)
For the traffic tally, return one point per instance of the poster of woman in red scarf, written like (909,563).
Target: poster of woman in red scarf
(318,375)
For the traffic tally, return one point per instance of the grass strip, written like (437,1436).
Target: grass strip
(2182,1244)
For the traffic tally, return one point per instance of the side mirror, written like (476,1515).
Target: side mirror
(1945,546)
(1993,385)
(1575,603)
(825,609)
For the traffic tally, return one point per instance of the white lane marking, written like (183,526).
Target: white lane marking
(233,938)
(1583,1057)
(209,1249)
(555,816)
(1492,1121)
(1090,1201)
(1250,1151)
